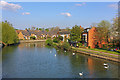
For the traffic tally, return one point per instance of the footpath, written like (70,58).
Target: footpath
(98,54)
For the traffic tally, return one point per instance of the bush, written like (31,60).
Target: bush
(89,47)
(104,46)
(79,44)
(49,42)
(9,36)
(60,38)
(97,46)
(33,37)
(65,46)
(55,40)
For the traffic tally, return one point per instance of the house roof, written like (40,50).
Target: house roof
(63,31)
(39,33)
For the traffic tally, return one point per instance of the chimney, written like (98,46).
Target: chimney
(80,26)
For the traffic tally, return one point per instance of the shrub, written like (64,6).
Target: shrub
(49,42)
(60,38)
(33,37)
(44,37)
(104,46)
(97,46)
(65,46)
(89,47)
(55,40)
(79,44)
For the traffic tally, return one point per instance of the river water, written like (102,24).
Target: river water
(35,60)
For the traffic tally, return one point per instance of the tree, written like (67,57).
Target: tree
(33,37)
(66,46)
(115,31)
(49,42)
(0,31)
(76,33)
(115,28)
(33,28)
(40,29)
(60,38)
(68,29)
(55,40)
(102,31)
(47,30)
(9,35)
(37,29)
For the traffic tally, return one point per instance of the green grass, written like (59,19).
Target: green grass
(112,52)
(98,53)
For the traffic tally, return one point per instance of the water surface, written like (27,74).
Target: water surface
(34,60)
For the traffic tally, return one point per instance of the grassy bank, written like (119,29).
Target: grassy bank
(106,51)
(110,55)
(98,52)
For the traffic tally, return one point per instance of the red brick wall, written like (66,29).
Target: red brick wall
(91,39)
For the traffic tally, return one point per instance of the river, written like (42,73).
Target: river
(35,60)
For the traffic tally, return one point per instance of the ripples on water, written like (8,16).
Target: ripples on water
(35,60)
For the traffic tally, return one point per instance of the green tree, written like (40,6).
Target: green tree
(47,30)
(60,38)
(33,37)
(49,42)
(37,29)
(55,40)
(9,35)
(0,31)
(76,33)
(66,46)
(40,29)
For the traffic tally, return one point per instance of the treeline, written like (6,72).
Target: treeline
(105,32)
(9,35)
(34,28)
(53,29)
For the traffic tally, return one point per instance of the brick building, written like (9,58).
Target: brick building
(89,39)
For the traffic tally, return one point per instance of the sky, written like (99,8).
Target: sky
(62,14)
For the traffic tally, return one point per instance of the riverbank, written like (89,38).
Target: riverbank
(98,54)
(107,55)
(26,41)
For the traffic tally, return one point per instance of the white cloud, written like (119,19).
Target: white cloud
(26,13)
(66,14)
(82,4)
(9,6)
(115,6)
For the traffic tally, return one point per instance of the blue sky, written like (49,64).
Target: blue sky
(63,14)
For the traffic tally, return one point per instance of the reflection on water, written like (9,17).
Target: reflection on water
(31,45)
(90,65)
(35,60)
